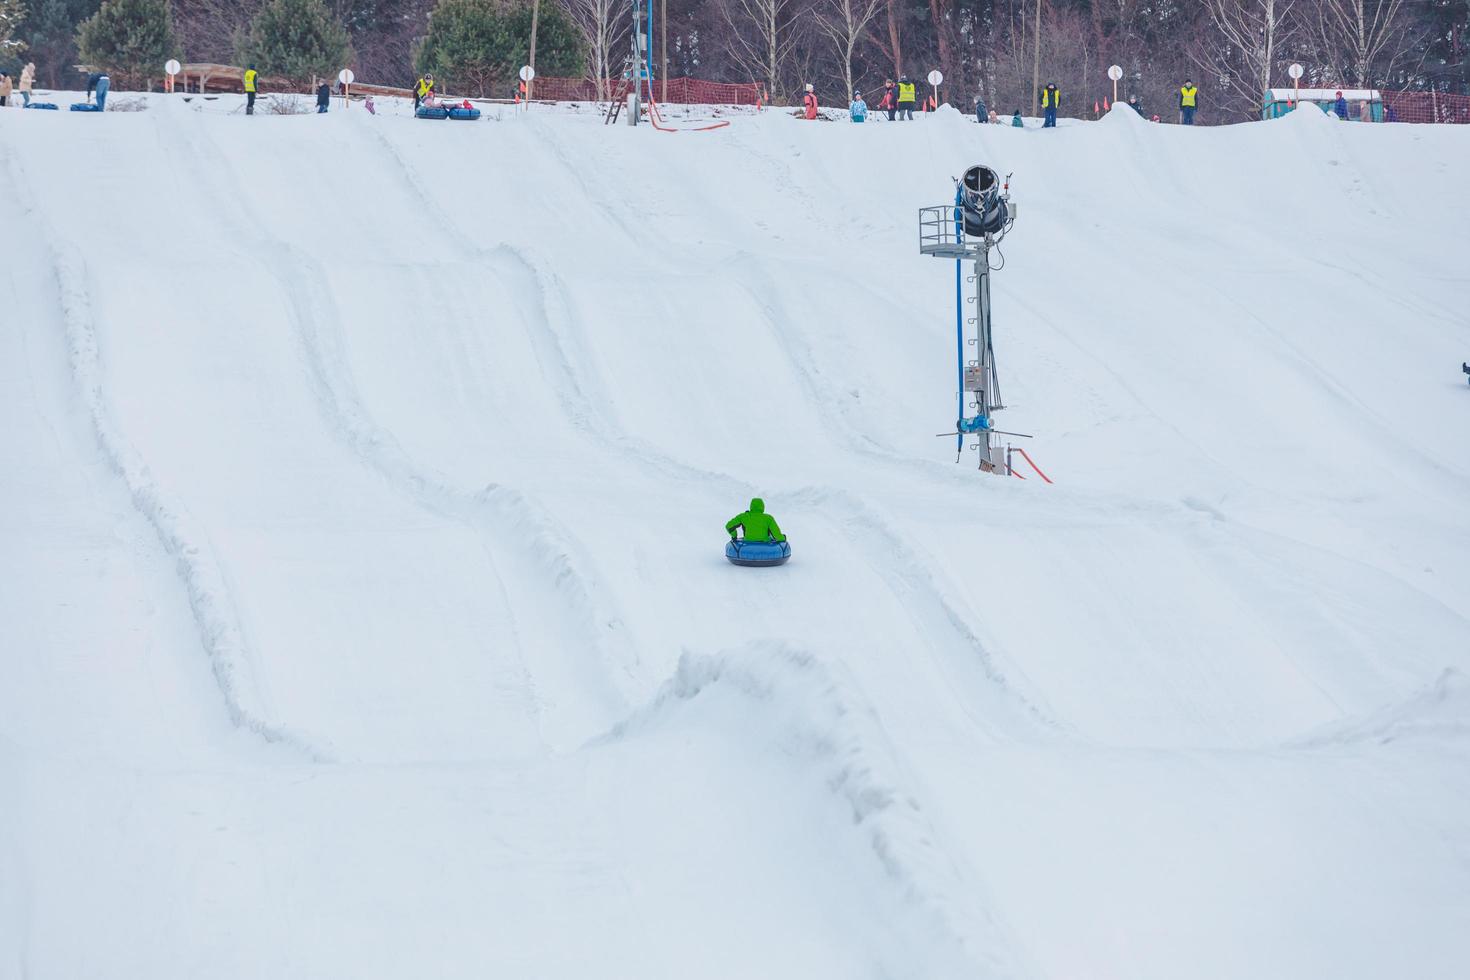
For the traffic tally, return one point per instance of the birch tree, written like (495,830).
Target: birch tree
(846,22)
(1251,38)
(602,24)
(763,35)
(1362,32)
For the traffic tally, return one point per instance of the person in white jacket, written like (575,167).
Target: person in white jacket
(27,82)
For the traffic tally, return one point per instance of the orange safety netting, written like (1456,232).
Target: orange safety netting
(680,91)
(1426,107)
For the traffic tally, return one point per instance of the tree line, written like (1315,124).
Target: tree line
(999,50)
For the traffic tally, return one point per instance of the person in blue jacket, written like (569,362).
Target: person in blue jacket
(858,111)
(982,115)
(1340,107)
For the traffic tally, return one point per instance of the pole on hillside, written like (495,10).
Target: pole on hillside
(346,77)
(173,68)
(535,16)
(663,48)
(527,74)
(1036,62)
(1295,71)
(935,77)
(1115,72)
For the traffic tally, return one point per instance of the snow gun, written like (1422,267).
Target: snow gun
(983,202)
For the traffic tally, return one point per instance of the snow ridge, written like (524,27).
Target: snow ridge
(1440,709)
(198,570)
(908,576)
(813,714)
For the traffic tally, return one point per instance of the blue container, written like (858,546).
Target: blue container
(432,112)
(460,112)
(758,554)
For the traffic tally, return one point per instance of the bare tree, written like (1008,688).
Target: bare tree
(1362,32)
(603,26)
(763,36)
(1251,36)
(846,22)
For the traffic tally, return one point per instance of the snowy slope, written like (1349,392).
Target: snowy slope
(365,613)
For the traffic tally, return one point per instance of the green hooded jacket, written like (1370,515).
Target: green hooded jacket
(759,526)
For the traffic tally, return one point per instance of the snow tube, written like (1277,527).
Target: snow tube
(42,105)
(758,553)
(460,112)
(85,107)
(432,112)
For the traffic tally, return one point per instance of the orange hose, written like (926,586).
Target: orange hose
(1033,464)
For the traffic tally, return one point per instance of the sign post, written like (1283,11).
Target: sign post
(1115,73)
(935,78)
(172,67)
(346,78)
(1295,71)
(528,74)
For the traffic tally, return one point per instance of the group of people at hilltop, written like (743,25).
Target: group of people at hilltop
(10,87)
(899,100)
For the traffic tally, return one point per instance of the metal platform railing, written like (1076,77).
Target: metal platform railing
(941,233)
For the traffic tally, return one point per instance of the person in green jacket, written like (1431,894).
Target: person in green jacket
(758,525)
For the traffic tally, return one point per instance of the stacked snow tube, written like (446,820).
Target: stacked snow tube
(758,554)
(430,112)
(85,107)
(43,105)
(464,112)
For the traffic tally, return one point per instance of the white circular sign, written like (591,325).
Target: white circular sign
(936,77)
(1295,71)
(345,76)
(173,67)
(527,73)
(1115,72)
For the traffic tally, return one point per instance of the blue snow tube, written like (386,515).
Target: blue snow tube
(42,105)
(460,112)
(758,554)
(432,112)
(85,107)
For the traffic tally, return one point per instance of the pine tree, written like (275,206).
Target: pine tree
(298,39)
(479,45)
(50,32)
(12,12)
(128,38)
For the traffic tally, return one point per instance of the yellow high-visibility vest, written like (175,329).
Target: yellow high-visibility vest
(424,87)
(1047,95)
(250,75)
(1187,96)
(905,91)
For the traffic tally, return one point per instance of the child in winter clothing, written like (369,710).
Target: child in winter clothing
(27,81)
(1016,120)
(858,111)
(809,102)
(323,97)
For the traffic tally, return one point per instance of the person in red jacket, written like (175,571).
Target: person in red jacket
(809,102)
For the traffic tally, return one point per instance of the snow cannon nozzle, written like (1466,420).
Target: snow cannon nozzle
(984,205)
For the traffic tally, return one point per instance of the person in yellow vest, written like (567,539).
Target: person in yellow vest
(423,90)
(1051,97)
(252,86)
(905,97)
(1188,102)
